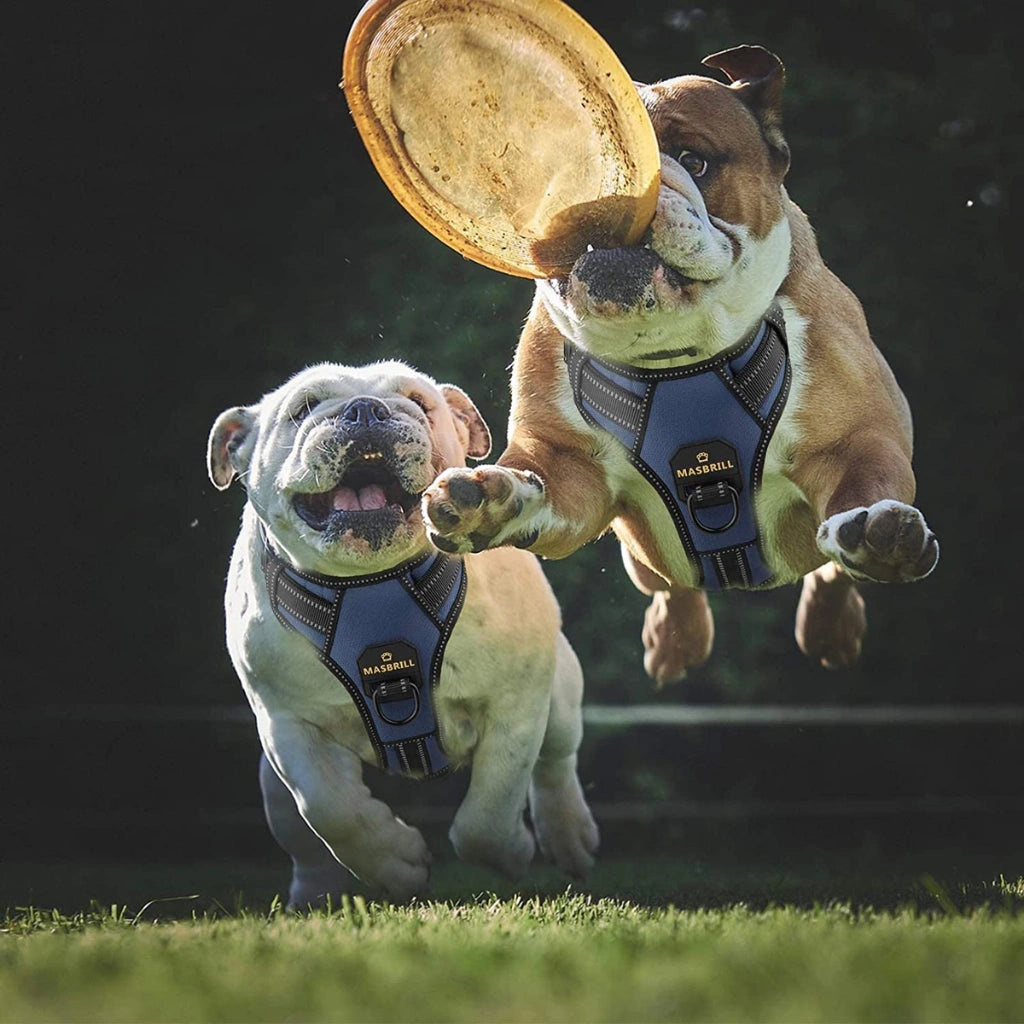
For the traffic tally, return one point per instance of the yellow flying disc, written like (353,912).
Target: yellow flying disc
(508,128)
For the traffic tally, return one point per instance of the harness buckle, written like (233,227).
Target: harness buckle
(706,475)
(392,677)
(394,690)
(712,496)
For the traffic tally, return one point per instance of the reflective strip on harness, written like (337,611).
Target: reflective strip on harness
(699,435)
(383,637)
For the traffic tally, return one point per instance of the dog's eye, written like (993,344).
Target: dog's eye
(303,409)
(696,166)
(420,401)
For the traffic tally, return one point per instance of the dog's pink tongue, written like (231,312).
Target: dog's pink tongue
(372,496)
(347,499)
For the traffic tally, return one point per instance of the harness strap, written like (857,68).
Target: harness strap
(383,637)
(699,434)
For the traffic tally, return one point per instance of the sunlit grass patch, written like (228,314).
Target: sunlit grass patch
(1014,889)
(539,958)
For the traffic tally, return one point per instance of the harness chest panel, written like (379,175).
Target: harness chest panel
(383,636)
(699,435)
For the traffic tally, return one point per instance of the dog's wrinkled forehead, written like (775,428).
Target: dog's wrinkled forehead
(732,134)
(331,384)
(694,112)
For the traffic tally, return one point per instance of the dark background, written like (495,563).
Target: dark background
(191,217)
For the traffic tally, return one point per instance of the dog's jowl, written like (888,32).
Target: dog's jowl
(357,641)
(712,395)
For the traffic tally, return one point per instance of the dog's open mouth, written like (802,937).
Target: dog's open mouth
(368,491)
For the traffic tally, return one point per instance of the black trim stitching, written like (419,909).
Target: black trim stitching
(761,378)
(639,373)
(310,609)
(357,698)
(723,576)
(735,572)
(348,582)
(427,579)
(670,503)
(613,402)
(435,586)
(774,415)
(442,641)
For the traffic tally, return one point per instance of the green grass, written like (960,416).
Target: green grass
(682,948)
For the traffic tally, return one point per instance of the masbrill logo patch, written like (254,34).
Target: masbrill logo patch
(698,465)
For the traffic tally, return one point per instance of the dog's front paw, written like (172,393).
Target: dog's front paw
(887,543)
(394,858)
(404,871)
(477,844)
(566,831)
(474,509)
(317,887)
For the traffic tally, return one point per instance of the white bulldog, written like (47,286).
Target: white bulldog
(331,562)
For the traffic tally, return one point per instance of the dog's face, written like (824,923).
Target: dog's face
(719,245)
(335,460)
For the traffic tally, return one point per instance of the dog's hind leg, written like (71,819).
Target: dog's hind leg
(565,829)
(830,618)
(317,878)
(678,626)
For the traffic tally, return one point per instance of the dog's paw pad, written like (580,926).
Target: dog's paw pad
(851,531)
(469,510)
(443,543)
(465,493)
(890,542)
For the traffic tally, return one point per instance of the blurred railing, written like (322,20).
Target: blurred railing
(162,780)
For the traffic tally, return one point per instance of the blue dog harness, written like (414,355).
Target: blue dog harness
(699,435)
(383,636)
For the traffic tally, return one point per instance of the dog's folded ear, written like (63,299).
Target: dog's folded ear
(474,433)
(227,453)
(758,77)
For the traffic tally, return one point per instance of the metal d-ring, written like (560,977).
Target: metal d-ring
(734,494)
(408,718)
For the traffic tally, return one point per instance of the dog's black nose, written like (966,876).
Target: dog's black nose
(365,411)
(617,275)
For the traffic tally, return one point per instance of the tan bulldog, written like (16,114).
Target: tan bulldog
(355,641)
(713,396)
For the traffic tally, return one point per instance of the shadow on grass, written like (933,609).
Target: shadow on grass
(946,881)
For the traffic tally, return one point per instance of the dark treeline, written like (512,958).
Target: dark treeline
(195,218)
